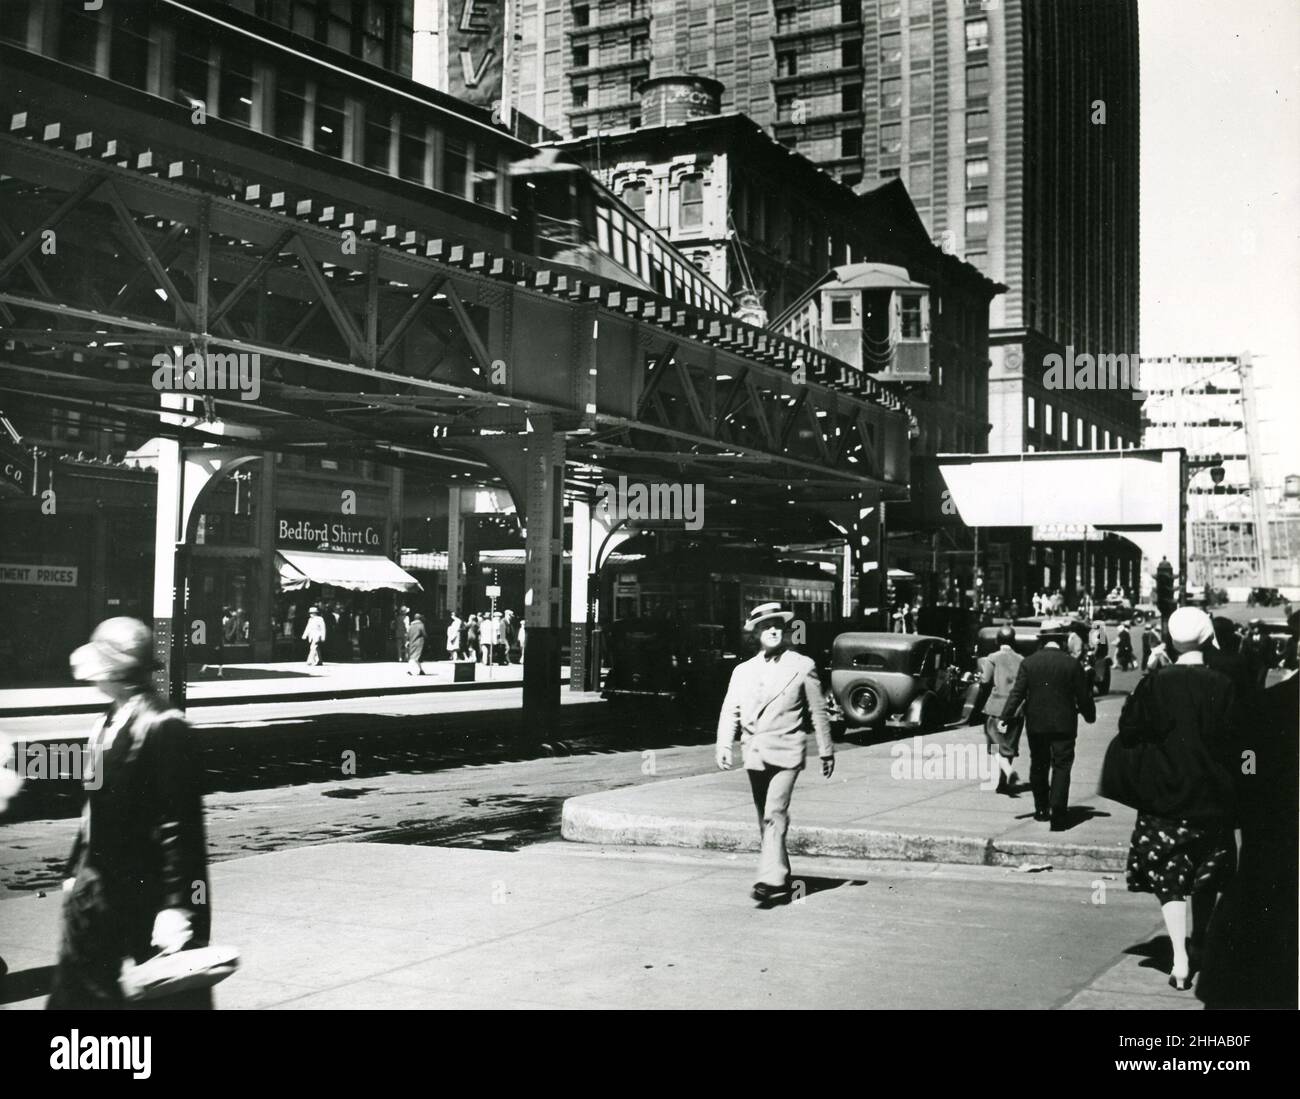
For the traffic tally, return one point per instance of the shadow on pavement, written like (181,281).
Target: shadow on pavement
(26,984)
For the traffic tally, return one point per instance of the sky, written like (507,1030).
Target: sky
(1220,196)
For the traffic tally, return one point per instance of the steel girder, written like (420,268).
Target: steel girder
(393,347)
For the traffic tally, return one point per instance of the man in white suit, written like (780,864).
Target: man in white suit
(773,701)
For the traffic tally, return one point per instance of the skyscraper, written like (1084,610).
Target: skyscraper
(1013,124)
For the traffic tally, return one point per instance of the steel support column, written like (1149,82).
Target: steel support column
(453,550)
(581,676)
(170,631)
(543,581)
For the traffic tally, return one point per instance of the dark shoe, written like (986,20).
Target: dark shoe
(764,892)
(1042,814)
(1059,822)
(1180,984)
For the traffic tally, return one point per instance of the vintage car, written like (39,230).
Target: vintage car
(1028,640)
(1265,597)
(913,678)
(661,658)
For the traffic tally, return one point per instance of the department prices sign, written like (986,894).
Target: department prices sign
(319,531)
(41,576)
(475,38)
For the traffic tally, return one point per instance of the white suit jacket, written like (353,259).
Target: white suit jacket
(773,724)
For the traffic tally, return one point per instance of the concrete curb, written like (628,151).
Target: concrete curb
(295,696)
(582,821)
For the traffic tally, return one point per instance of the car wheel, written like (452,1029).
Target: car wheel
(865,702)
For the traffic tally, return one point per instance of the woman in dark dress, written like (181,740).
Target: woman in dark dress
(1178,731)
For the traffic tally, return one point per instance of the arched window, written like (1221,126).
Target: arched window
(634,196)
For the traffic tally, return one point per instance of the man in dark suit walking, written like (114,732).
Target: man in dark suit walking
(1052,688)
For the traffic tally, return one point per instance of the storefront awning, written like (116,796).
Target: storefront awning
(351,571)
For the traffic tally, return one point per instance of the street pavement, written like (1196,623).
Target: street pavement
(271,682)
(356,926)
(882,802)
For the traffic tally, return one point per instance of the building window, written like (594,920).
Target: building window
(850,11)
(922,91)
(411,148)
(78,37)
(891,138)
(851,142)
(582,16)
(918,179)
(328,138)
(634,197)
(889,173)
(581,56)
(919,9)
(891,94)
(485,180)
(15,18)
(891,9)
(580,94)
(891,49)
(1033,407)
(786,19)
(977,127)
(128,59)
(579,131)
(787,63)
(190,71)
(977,82)
(977,35)
(977,174)
(235,96)
(851,97)
(977,222)
(455,165)
(851,54)
(920,44)
(919,136)
(377,138)
(640,44)
(290,106)
(692,199)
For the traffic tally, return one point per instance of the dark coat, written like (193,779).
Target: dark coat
(1053,690)
(1251,947)
(1186,716)
(416,635)
(140,848)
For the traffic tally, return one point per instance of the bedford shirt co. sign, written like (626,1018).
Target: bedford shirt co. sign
(328,533)
(15,470)
(475,48)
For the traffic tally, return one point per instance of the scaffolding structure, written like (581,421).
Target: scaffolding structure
(1239,534)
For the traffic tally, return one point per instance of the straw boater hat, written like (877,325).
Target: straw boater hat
(118,649)
(766,612)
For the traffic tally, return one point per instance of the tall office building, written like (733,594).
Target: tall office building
(1013,124)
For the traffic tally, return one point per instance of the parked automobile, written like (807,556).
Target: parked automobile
(660,658)
(913,678)
(1265,597)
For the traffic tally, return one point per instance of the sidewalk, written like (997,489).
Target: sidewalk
(868,810)
(356,926)
(245,684)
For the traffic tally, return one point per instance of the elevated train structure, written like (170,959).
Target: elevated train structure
(396,296)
